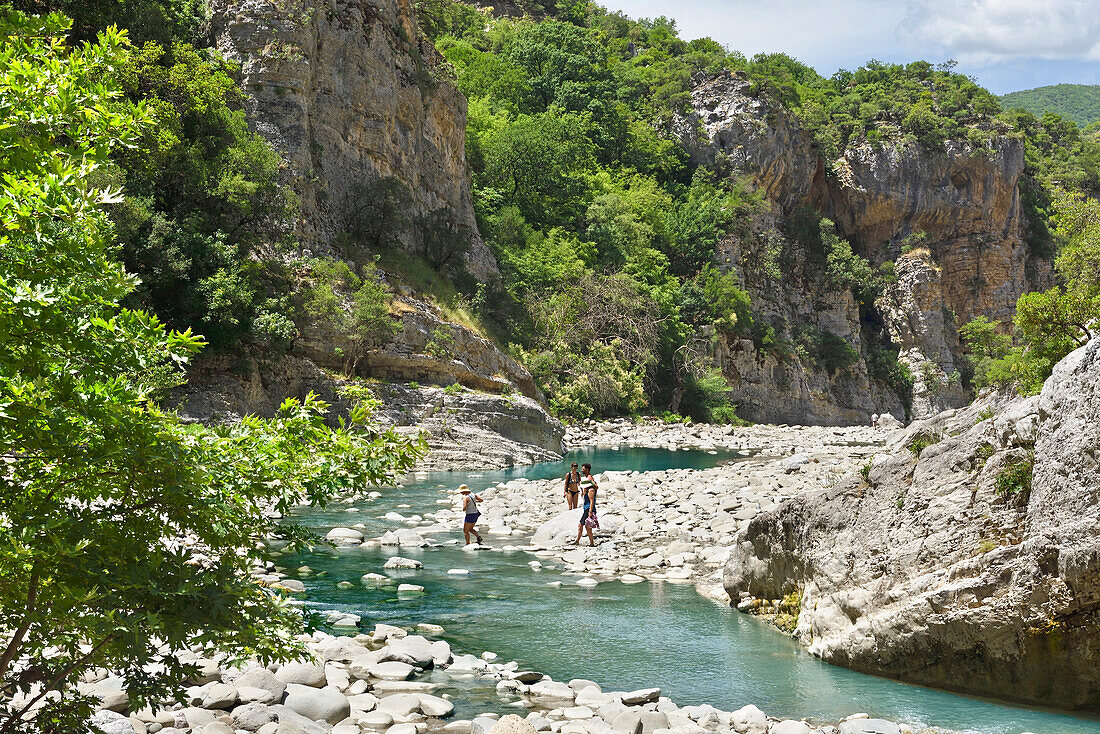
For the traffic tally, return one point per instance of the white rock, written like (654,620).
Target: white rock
(790,727)
(578,713)
(435,707)
(399,704)
(749,720)
(392,670)
(306,674)
(552,690)
(399,562)
(344,536)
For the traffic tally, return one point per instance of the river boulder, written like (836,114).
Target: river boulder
(562,528)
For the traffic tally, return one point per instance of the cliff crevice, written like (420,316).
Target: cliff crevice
(950,221)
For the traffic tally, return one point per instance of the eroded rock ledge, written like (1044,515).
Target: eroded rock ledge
(940,566)
(477,406)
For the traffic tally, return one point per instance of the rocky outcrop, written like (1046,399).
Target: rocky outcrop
(472,430)
(345,90)
(464,429)
(943,562)
(956,212)
(732,129)
(490,413)
(428,348)
(925,332)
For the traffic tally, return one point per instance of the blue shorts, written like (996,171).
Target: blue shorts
(472,517)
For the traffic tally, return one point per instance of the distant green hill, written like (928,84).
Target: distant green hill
(1077,102)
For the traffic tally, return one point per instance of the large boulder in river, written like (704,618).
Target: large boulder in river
(947,562)
(562,528)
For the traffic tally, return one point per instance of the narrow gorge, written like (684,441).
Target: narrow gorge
(296,296)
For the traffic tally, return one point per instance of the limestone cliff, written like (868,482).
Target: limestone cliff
(372,135)
(951,220)
(345,90)
(949,565)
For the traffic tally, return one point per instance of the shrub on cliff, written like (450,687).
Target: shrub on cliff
(126,535)
(355,307)
(204,208)
(1051,324)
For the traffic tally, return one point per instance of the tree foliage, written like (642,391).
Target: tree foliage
(204,203)
(1051,324)
(126,536)
(1077,102)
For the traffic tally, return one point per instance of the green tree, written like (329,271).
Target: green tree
(162,21)
(846,269)
(1053,323)
(126,536)
(356,308)
(567,68)
(985,345)
(203,196)
(540,162)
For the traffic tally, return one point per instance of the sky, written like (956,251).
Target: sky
(1007,45)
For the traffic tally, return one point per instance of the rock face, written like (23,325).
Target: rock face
(344,90)
(951,219)
(935,569)
(347,91)
(491,415)
(464,429)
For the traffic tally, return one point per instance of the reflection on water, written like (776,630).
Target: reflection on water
(623,636)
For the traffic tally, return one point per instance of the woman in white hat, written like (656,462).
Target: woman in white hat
(469,506)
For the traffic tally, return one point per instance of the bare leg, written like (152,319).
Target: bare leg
(591,539)
(580,529)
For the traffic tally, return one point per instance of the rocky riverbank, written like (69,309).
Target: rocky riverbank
(966,557)
(378,682)
(675,525)
(401,681)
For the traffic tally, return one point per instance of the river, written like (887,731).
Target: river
(622,636)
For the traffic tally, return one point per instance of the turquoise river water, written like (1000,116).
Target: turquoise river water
(622,636)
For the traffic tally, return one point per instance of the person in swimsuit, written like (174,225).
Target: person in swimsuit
(572,487)
(469,506)
(588,488)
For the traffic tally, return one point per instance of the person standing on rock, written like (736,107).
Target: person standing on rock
(469,507)
(572,487)
(874,421)
(588,489)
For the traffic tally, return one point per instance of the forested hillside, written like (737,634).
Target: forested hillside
(1077,102)
(604,226)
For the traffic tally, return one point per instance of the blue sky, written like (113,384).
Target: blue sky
(1005,44)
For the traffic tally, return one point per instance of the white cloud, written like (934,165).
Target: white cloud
(1006,44)
(992,31)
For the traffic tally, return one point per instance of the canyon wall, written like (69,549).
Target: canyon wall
(950,221)
(371,133)
(948,561)
(349,93)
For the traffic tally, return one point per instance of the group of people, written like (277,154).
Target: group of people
(579,486)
